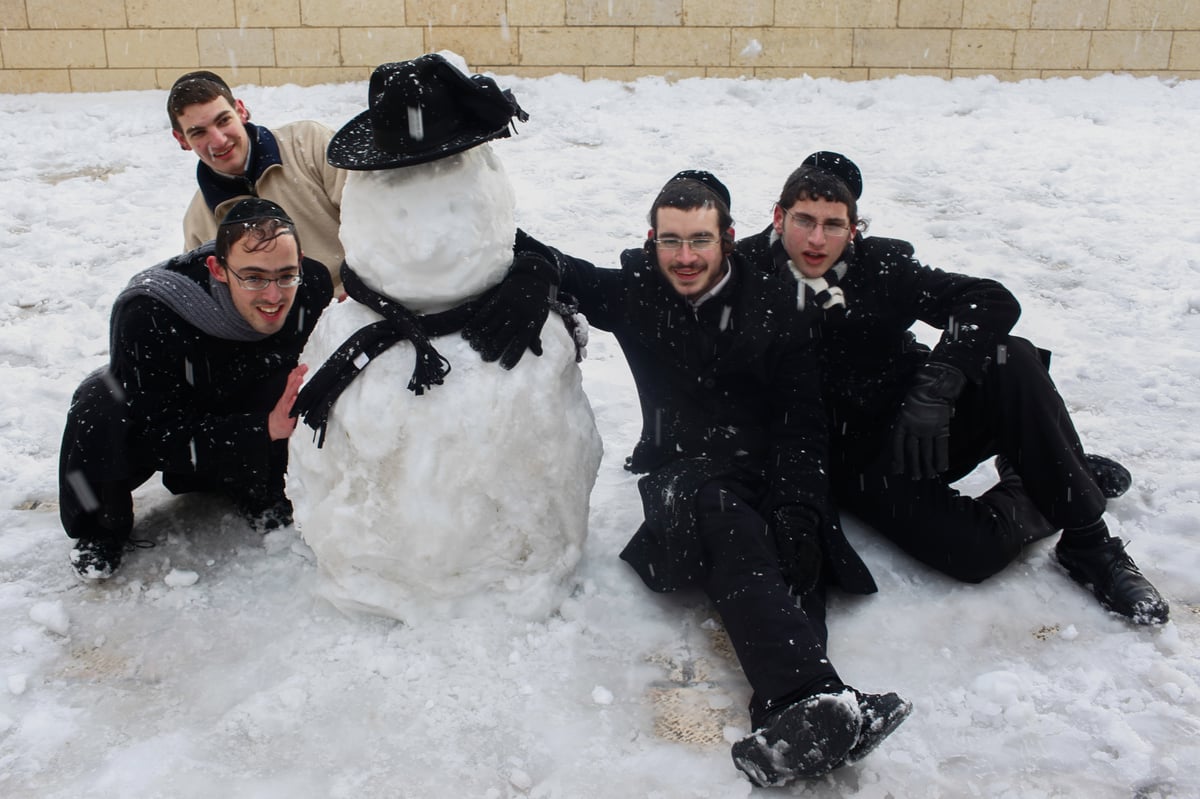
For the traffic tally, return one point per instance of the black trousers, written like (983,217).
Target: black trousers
(781,647)
(1016,411)
(101,462)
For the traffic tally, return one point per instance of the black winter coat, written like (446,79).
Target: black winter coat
(199,404)
(730,388)
(868,354)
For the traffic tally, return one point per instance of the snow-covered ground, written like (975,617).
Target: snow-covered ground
(212,667)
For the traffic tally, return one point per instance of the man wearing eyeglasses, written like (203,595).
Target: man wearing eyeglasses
(202,375)
(908,422)
(734,492)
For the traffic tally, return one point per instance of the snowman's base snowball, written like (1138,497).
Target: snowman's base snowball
(471,498)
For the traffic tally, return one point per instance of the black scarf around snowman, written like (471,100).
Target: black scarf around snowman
(500,324)
(420,111)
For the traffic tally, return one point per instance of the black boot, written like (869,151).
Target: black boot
(95,558)
(265,509)
(1107,571)
(809,738)
(881,715)
(1112,478)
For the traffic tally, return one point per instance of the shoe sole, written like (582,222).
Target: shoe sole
(772,757)
(1112,478)
(875,730)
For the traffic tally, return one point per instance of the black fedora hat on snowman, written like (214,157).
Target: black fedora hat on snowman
(422,110)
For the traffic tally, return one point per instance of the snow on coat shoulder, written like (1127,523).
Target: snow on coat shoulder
(472,497)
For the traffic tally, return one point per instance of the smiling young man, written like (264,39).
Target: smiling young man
(908,422)
(239,159)
(735,495)
(202,375)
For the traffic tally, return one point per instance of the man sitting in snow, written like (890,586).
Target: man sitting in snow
(908,421)
(202,375)
(239,159)
(735,496)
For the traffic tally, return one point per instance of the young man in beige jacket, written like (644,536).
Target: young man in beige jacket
(239,159)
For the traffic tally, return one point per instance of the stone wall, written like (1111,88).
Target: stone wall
(101,45)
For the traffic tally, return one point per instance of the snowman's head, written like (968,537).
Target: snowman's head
(431,235)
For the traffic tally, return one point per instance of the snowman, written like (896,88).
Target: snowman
(440,483)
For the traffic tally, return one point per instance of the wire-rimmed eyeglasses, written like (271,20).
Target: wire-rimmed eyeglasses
(832,230)
(675,243)
(259,283)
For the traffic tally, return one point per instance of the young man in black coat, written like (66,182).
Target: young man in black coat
(908,422)
(200,383)
(733,447)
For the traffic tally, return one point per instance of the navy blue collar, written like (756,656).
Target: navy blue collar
(264,153)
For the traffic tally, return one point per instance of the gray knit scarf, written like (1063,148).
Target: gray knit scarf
(212,311)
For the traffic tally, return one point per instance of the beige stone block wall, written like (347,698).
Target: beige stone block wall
(1052,50)
(353,13)
(1153,15)
(494,46)
(1126,50)
(307,47)
(624,12)
(537,13)
(633,73)
(236,47)
(902,49)
(310,76)
(681,47)
(796,48)
(458,12)
(57,14)
(27,49)
(1069,14)
(97,45)
(837,73)
(174,14)
(370,47)
(20,81)
(268,13)
(1010,15)
(111,80)
(930,13)
(842,14)
(1185,51)
(12,14)
(577,46)
(707,14)
(981,49)
(145,48)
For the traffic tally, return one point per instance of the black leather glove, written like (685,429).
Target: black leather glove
(512,318)
(921,439)
(794,528)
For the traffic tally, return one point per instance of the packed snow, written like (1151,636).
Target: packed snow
(212,666)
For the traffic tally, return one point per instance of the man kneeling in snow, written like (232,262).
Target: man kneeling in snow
(202,374)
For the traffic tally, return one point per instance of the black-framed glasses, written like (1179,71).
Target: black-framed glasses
(699,244)
(832,230)
(257,283)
